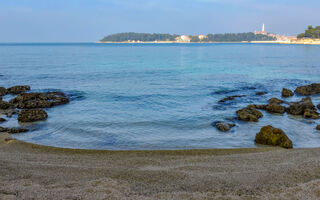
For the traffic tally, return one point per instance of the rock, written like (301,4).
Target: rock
(249,114)
(275,100)
(2,120)
(305,107)
(18,89)
(308,113)
(318,127)
(39,100)
(223,126)
(13,130)
(275,108)
(307,90)
(286,93)
(9,112)
(3,91)
(32,115)
(4,105)
(260,93)
(260,107)
(273,136)
(230,98)
(318,106)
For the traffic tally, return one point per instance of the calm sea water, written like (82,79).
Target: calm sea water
(159,96)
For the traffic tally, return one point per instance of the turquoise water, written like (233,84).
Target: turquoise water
(159,96)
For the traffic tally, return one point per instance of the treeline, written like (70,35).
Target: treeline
(147,37)
(311,32)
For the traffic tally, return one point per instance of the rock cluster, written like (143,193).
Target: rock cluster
(28,106)
(273,136)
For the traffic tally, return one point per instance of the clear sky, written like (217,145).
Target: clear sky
(90,20)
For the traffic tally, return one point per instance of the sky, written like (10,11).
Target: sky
(91,20)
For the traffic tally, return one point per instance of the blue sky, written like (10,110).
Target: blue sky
(90,20)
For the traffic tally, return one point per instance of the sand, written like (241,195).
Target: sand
(29,171)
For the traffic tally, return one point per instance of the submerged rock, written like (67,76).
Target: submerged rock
(4,105)
(260,93)
(13,130)
(3,91)
(223,126)
(307,90)
(32,115)
(249,114)
(18,89)
(273,136)
(2,120)
(39,100)
(304,107)
(231,98)
(286,92)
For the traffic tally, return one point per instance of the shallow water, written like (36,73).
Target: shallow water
(159,96)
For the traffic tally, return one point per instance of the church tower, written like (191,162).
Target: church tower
(263,29)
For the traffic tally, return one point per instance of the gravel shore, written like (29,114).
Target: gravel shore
(31,171)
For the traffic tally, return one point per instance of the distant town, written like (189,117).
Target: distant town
(260,36)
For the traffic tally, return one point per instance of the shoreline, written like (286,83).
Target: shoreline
(243,42)
(40,172)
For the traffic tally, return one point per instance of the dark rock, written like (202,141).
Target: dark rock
(260,93)
(10,112)
(4,105)
(39,100)
(260,107)
(305,107)
(13,130)
(249,114)
(318,106)
(223,126)
(18,89)
(273,136)
(318,127)
(286,92)
(307,90)
(32,115)
(2,120)
(3,91)
(230,98)
(275,108)
(275,100)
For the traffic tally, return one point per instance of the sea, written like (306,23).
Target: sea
(159,96)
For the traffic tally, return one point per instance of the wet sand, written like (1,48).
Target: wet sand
(29,171)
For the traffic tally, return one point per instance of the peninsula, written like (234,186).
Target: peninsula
(311,36)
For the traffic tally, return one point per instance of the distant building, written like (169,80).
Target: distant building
(262,32)
(183,38)
(202,37)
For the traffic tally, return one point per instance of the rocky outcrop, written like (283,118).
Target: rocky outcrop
(223,126)
(3,91)
(231,98)
(305,107)
(39,100)
(9,112)
(4,105)
(276,101)
(273,136)
(13,130)
(249,114)
(275,108)
(18,89)
(32,115)
(286,93)
(307,90)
